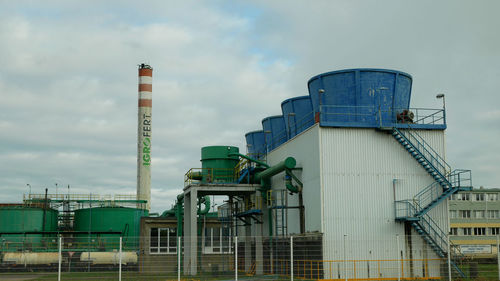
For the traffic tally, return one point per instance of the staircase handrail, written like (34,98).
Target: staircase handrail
(435,232)
(427,195)
(408,211)
(425,147)
(431,228)
(460,178)
(457,178)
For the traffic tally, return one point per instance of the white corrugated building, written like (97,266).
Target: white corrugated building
(363,163)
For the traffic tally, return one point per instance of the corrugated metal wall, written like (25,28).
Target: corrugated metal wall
(305,149)
(359,167)
(356,174)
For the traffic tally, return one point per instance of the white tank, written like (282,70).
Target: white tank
(31,258)
(108,257)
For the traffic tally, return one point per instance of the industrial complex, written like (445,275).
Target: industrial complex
(349,161)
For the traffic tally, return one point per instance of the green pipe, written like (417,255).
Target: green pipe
(289,185)
(250,159)
(195,176)
(180,198)
(206,201)
(288,163)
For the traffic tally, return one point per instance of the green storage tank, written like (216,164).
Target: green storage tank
(121,219)
(218,164)
(24,219)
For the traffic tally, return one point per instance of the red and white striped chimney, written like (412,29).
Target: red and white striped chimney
(144,134)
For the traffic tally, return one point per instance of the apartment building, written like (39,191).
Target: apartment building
(475,221)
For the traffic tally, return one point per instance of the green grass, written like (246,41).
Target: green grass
(484,271)
(129,276)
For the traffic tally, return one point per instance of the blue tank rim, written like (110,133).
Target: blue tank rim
(272,117)
(358,69)
(295,98)
(254,132)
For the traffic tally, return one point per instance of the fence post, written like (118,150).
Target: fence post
(179,251)
(345,261)
(236,258)
(449,256)
(120,260)
(399,258)
(291,258)
(498,259)
(60,259)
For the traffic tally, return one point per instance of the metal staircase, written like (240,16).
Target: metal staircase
(446,183)
(432,234)
(432,162)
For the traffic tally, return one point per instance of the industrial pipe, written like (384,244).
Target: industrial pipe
(250,159)
(288,163)
(180,199)
(195,176)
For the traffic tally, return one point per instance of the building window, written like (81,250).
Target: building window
(464,196)
(163,241)
(467,231)
(453,197)
(465,214)
(217,240)
(454,231)
(492,214)
(479,214)
(495,231)
(479,231)
(453,214)
(492,196)
(479,196)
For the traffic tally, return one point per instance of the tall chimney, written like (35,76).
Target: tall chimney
(144,134)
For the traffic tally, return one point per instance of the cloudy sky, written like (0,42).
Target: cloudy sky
(68,81)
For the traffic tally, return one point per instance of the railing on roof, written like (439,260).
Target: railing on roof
(361,116)
(79,197)
(368,116)
(78,201)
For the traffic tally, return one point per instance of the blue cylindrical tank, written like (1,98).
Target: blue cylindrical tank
(360,97)
(298,115)
(256,144)
(274,131)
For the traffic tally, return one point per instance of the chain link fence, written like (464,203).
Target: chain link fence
(218,257)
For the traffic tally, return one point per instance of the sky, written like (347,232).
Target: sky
(68,82)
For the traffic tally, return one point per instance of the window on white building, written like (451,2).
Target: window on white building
(492,196)
(479,196)
(495,231)
(163,241)
(492,214)
(479,214)
(217,240)
(479,231)
(465,214)
(467,231)
(453,231)
(464,196)
(453,214)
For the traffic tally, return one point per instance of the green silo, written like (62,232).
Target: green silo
(20,219)
(118,219)
(218,163)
